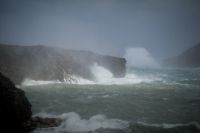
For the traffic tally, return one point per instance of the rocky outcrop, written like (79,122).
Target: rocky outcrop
(188,59)
(15,108)
(47,63)
(39,122)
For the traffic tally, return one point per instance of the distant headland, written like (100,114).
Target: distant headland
(49,63)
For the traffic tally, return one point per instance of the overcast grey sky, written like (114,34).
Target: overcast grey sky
(163,27)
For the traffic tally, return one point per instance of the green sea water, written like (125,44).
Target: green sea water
(146,101)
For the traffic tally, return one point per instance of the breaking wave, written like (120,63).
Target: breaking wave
(102,76)
(30,82)
(168,126)
(73,123)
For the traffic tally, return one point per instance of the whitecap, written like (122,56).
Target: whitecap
(102,77)
(72,122)
(167,125)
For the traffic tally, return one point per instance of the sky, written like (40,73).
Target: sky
(163,27)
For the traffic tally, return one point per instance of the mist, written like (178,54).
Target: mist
(100,66)
(141,58)
(163,27)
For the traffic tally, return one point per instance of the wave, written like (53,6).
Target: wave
(102,76)
(73,123)
(127,80)
(168,126)
(191,127)
(31,82)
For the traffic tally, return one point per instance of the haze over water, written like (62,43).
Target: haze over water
(153,100)
(150,98)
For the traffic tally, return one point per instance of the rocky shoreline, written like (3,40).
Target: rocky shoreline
(42,63)
(15,111)
(49,63)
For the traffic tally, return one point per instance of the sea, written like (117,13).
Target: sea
(156,100)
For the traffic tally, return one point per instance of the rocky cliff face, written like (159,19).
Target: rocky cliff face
(47,63)
(189,58)
(15,108)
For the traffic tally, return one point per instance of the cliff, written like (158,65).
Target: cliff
(188,59)
(15,108)
(15,112)
(48,63)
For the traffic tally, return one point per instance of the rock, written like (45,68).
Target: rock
(47,63)
(15,108)
(188,59)
(39,122)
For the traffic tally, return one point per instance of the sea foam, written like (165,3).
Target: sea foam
(72,122)
(168,126)
(102,76)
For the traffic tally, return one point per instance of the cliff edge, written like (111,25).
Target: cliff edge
(48,63)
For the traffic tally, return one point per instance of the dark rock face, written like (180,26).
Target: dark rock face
(39,122)
(47,63)
(189,59)
(15,108)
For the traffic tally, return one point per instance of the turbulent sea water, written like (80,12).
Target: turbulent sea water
(144,101)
